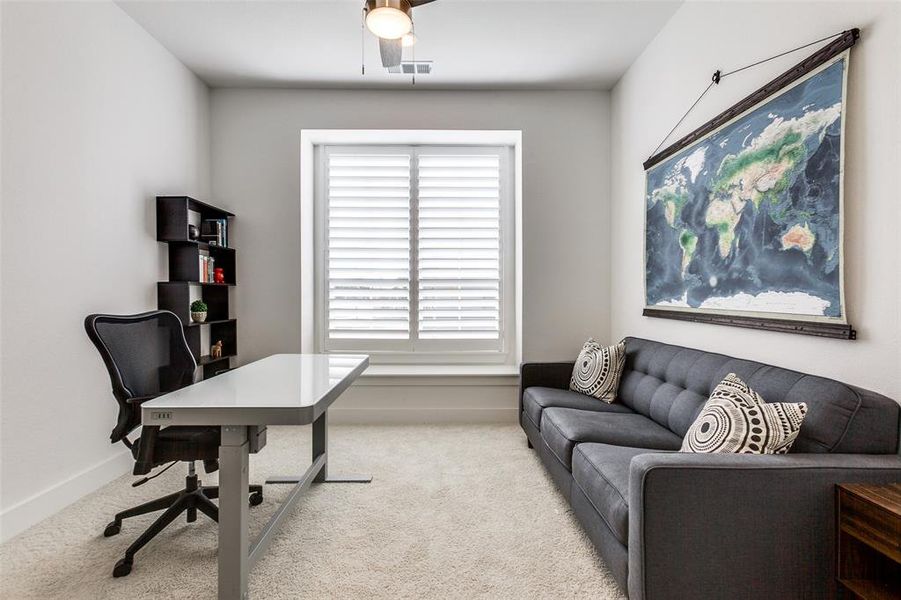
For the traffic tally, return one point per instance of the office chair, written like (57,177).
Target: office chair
(147,356)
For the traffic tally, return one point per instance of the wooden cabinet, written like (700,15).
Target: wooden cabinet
(868,541)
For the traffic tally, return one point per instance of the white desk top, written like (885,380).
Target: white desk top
(282,389)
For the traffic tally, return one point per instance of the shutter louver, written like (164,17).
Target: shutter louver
(368,246)
(458,261)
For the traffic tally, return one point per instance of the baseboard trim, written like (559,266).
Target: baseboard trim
(408,416)
(22,515)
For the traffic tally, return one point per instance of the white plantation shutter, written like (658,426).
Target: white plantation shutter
(459,261)
(368,266)
(413,251)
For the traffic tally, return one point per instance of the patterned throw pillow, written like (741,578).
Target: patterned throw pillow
(597,371)
(737,420)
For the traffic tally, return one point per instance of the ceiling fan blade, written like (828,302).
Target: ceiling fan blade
(415,3)
(391,51)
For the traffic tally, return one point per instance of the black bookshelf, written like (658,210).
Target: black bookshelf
(173,218)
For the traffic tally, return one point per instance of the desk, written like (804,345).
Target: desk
(283,389)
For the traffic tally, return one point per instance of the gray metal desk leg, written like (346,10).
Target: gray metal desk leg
(320,449)
(233,508)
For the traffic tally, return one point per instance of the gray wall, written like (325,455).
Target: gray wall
(256,172)
(97,119)
(667,78)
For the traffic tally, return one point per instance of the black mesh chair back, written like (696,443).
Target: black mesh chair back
(146,356)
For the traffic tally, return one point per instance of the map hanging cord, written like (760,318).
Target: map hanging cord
(719,76)
(690,108)
(781,54)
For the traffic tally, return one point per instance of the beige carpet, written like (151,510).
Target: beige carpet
(453,512)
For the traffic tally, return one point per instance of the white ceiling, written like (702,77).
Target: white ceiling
(559,44)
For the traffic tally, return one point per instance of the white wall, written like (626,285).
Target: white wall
(256,172)
(97,119)
(663,83)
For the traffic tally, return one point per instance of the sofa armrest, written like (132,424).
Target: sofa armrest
(544,374)
(739,526)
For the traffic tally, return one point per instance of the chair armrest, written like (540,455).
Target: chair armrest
(739,526)
(544,374)
(141,399)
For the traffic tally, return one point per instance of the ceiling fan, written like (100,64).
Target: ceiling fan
(392,22)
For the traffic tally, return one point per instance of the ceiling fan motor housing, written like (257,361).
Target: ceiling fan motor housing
(401,5)
(396,21)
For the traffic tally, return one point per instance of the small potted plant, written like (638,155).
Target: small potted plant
(198,311)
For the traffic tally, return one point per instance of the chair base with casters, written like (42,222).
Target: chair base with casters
(195,497)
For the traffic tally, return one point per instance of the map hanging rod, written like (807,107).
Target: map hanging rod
(718,76)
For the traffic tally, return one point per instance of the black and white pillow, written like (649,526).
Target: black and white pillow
(598,369)
(737,420)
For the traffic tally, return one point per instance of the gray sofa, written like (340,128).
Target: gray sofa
(677,525)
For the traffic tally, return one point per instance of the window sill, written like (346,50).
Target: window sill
(440,375)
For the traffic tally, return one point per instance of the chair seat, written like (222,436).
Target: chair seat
(183,443)
(563,428)
(536,399)
(602,473)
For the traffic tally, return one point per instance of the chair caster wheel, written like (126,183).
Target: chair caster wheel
(256,498)
(122,568)
(112,529)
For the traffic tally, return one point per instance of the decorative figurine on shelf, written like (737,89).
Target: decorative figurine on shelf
(219,275)
(216,350)
(198,311)
(193,232)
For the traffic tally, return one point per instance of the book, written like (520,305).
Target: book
(215,232)
(206,266)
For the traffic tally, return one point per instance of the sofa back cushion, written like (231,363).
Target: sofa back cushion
(671,383)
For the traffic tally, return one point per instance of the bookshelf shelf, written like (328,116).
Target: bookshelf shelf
(208,322)
(203,283)
(191,262)
(201,245)
(206,359)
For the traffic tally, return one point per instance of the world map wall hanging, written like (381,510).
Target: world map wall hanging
(744,216)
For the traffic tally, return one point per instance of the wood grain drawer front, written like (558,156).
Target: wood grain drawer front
(871,524)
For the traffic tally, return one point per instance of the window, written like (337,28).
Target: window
(415,252)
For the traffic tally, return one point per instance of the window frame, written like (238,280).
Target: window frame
(315,146)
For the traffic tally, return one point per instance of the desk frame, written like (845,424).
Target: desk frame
(243,431)
(236,555)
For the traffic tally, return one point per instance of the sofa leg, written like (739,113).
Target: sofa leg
(529,443)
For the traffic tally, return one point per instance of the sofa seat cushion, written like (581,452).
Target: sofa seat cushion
(563,428)
(602,473)
(536,399)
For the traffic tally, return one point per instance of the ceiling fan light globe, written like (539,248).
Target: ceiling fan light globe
(388,22)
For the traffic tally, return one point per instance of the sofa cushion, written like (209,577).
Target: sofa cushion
(536,399)
(563,428)
(670,384)
(738,420)
(598,369)
(602,473)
